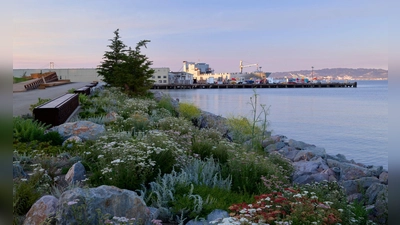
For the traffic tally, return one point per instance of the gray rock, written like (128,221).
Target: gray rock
(18,171)
(384,177)
(358,185)
(280,145)
(85,205)
(270,148)
(42,209)
(267,141)
(298,144)
(86,130)
(217,214)
(381,206)
(373,191)
(73,139)
(349,171)
(288,152)
(76,173)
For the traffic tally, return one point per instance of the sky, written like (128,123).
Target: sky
(279,36)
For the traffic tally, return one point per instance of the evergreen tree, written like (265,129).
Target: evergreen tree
(128,69)
(112,59)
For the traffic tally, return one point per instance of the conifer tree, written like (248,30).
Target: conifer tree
(128,69)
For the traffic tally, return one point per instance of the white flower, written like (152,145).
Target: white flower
(116,161)
(100,156)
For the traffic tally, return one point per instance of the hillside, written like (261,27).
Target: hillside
(338,74)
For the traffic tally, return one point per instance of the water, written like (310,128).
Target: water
(349,121)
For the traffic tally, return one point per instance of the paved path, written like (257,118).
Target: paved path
(23,100)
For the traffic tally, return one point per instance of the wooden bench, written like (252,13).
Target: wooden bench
(83,90)
(58,110)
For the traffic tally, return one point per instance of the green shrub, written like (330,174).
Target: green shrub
(206,149)
(247,169)
(189,111)
(27,191)
(26,130)
(165,102)
(71,91)
(240,129)
(53,137)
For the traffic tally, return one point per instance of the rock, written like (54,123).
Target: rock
(349,171)
(373,191)
(217,214)
(288,152)
(209,120)
(42,209)
(297,144)
(303,155)
(270,148)
(18,171)
(86,130)
(76,173)
(304,170)
(384,177)
(358,185)
(280,145)
(266,142)
(85,205)
(70,140)
(111,116)
(381,206)
(158,95)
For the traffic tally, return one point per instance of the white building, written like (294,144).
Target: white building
(160,75)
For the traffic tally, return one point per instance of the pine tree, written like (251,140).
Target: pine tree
(112,59)
(128,69)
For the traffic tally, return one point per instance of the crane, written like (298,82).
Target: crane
(241,66)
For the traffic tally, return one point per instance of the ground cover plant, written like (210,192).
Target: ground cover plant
(155,149)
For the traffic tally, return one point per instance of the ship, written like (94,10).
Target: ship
(203,73)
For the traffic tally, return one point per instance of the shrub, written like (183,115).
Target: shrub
(189,111)
(27,191)
(240,129)
(247,169)
(166,103)
(26,130)
(207,149)
(53,137)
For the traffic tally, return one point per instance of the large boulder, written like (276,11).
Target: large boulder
(86,130)
(88,206)
(43,208)
(350,171)
(358,185)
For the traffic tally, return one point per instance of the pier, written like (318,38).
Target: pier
(279,85)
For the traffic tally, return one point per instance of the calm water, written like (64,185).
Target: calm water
(350,121)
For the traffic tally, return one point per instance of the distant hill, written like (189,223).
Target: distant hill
(338,74)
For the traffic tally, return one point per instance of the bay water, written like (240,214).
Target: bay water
(348,121)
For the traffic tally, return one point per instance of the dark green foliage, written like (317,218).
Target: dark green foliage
(128,69)
(165,102)
(164,163)
(25,195)
(206,149)
(26,130)
(53,137)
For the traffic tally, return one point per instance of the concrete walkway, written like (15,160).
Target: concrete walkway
(22,100)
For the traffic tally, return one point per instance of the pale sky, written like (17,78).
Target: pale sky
(278,35)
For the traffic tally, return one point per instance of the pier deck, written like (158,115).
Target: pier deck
(280,85)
